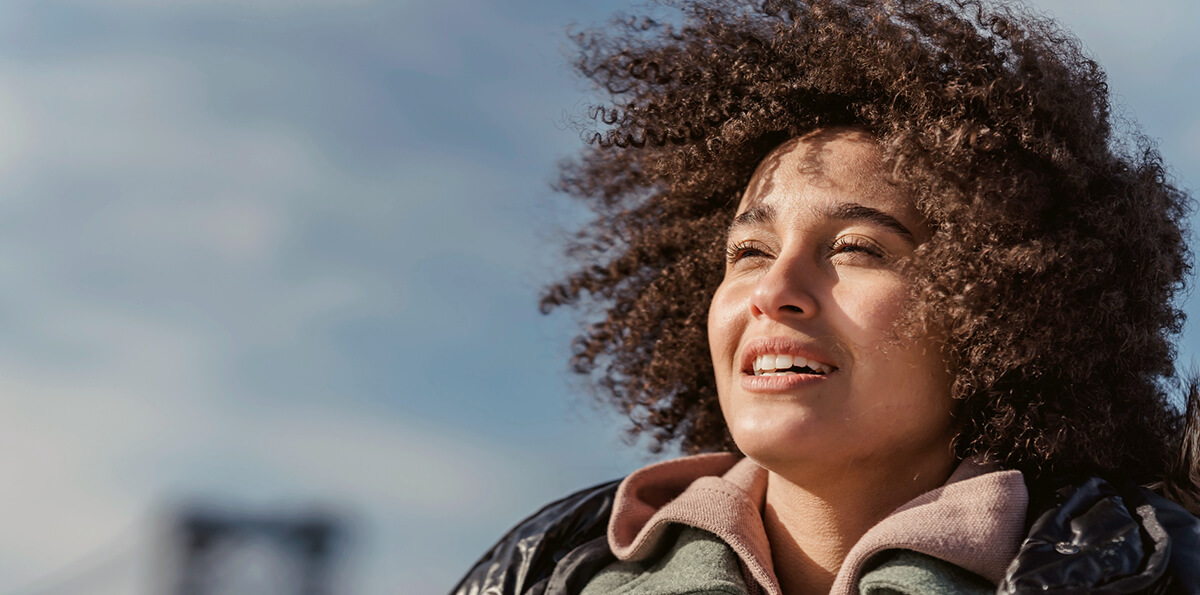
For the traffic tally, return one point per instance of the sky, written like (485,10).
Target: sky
(282,256)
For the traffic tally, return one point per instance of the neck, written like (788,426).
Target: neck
(811,531)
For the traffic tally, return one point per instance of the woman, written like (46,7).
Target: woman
(889,266)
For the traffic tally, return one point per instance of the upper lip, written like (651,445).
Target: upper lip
(784,346)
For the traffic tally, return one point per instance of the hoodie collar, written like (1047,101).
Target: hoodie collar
(975,521)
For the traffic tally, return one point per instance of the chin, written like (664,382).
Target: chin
(778,442)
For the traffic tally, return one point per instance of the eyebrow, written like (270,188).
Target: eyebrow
(855,212)
(765,215)
(757,215)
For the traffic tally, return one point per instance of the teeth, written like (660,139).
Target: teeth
(772,364)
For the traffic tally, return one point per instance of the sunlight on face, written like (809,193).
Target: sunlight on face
(809,374)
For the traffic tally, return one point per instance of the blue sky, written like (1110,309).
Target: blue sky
(278,255)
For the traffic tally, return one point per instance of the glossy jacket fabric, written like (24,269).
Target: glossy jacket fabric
(565,540)
(1089,537)
(1097,537)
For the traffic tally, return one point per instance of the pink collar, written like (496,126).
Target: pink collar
(975,521)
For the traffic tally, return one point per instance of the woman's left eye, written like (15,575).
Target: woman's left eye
(856,246)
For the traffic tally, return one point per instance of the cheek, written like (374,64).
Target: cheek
(912,371)
(870,311)
(725,322)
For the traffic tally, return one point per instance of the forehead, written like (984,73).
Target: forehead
(835,163)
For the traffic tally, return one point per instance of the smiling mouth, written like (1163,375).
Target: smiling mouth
(789,365)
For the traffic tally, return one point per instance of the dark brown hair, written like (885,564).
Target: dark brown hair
(1059,243)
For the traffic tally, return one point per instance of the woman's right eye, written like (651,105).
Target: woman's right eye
(743,250)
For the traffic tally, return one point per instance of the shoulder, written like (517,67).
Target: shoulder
(1096,534)
(529,551)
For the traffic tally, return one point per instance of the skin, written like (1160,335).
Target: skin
(813,269)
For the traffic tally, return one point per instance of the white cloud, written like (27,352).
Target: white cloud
(147,251)
(88,457)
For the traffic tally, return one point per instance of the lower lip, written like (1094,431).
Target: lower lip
(779,384)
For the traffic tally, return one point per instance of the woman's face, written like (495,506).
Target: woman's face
(810,376)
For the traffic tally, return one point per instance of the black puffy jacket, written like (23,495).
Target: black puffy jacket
(1089,537)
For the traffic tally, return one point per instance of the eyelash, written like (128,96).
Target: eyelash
(735,252)
(842,245)
(854,244)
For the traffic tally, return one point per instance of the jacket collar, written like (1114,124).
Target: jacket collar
(1111,537)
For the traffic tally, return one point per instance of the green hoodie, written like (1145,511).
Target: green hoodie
(699,562)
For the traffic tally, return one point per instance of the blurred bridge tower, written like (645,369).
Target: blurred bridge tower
(221,553)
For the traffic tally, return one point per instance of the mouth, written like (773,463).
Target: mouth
(780,364)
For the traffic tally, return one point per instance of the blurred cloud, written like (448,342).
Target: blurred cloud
(203,217)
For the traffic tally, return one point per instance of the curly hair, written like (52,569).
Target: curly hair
(1058,246)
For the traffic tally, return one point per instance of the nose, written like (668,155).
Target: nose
(785,290)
